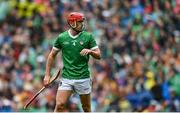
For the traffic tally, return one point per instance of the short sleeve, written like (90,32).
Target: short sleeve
(92,43)
(57,44)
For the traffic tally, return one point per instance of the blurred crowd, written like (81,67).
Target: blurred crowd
(139,42)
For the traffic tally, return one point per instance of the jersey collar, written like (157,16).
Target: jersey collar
(72,35)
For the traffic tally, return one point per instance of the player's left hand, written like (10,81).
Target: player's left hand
(85,52)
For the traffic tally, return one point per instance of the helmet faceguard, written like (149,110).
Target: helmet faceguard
(75,17)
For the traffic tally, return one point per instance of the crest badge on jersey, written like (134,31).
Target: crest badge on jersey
(74,42)
(81,42)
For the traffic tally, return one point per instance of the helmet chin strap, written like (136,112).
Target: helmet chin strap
(82,28)
(75,25)
(76,30)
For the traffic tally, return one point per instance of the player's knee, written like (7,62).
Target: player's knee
(86,107)
(60,105)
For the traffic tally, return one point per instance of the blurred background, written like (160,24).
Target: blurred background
(139,42)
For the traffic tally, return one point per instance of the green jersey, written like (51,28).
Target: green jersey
(75,65)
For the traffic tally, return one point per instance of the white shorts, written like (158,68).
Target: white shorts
(82,86)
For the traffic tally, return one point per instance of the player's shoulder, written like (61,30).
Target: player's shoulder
(88,34)
(65,33)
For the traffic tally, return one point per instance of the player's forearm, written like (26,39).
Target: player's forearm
(49,64)
(96,54)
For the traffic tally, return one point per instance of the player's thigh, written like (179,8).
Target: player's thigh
(64,91)
(62,96)
(86,100)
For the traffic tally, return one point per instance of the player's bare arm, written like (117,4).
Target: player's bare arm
(95,53)
(49,63)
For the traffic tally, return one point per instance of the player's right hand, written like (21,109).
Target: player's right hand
(46,80)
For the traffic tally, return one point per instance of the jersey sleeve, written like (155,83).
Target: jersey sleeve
(57,44)
(92,43)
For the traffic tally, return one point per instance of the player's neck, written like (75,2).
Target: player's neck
(73,32)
